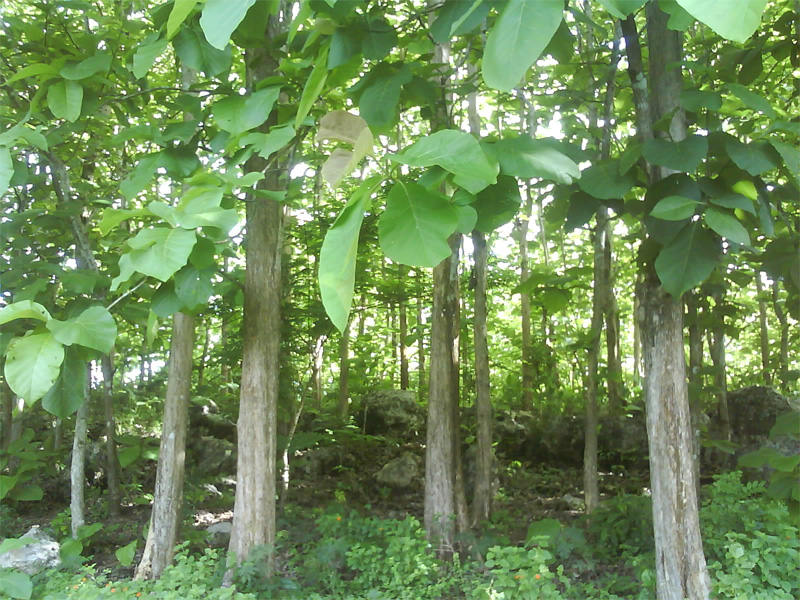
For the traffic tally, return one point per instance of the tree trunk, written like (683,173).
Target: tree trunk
(165,520)
(254,506)
(201,367)
(695,380)
(717,351)
(525,306)
(681,572)
(482,496)
(344,372)
(763,331)
(783,352)
(112,462)
(6,414)
(77,471)
(421,383)
(403,318)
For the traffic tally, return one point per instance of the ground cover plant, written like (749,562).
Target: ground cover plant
(419,299)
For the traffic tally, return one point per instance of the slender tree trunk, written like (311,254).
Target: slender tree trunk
(783,352)
(165,520)
(420,338)
(316,371)
(403,324)
(482,497)
(344,372)
(695,379)
(763,331)
(681,572)
(717,351)
(112,462)
(525,305)
(201,368)
(6,414)
(254,506)
(77,472)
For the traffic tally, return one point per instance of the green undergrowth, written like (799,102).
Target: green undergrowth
(750,540)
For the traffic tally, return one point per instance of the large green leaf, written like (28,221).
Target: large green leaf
(416,224)
(726,225)
(93,328)
(32,365)
(64,99)
(313,87)
(734,20)
(530,158)
(69,391)
(267,144)
(378,39)
(6,169)
(754,158)
(790,155)
(14,584)
(455,151)
(604,181)
(220,19)
(141,175)
(684,156)
(146,55)
(337,259)
(24,309)
(193,287)
(751,99)
(497,204)
(180,10)
(200,207)
(674,208)
(697,100)
(196,53)
(378,102)
(622,8)
(86,68)
(733,200)
(159,251)
(238,114)
(687,261)
(517,39)
(457,17)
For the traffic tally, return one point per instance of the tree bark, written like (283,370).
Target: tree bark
(482,496)
(681,572)
(344,372)
(525,305)
(77,471)
(717,351)
(421,383)
(254,505)
(763,331)
(6,414)
(783,352)
(695,379)
(403,324)
(165,520)
(112,462)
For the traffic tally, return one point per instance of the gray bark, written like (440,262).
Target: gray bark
(112,462)
(165,520)
(763,331)
(77,471)
(344,372)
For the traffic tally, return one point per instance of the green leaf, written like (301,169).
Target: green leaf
(415,226)
(7,483)
(337,259)
(69,391)
(200,207)
(141,175)
(238,114)
(180,10)
(64,99)
(86,68)
(29,493)
(165,301)
(196,53)
(6,169)
(220,19)
(24,309)
(751,99)
(467,218)
(517,39)
(790,155)
(93,328)
(497,204)
(758,458)
(15,584)
(33,364)
(786,424)
(276,139)
(457,17)
(378,39)
(674,208)
(34,70)
(114,216)
(378,101)
(622,8)
(313,87)
(697,100)
(727,226)
(604,181)
(529,158)
(455,151)
(687,261)
(684,156)
(754,158)
(734,20)
(733,200)
(630,156)
(160,252)
(679,19)
(193,286)
(125,554)
(146,55)
(345,44)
